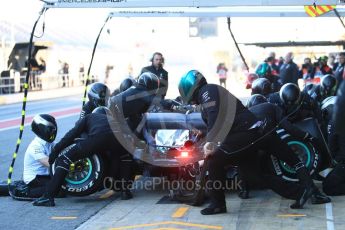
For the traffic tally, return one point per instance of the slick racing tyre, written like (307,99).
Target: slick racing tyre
(305,151)
(85,176)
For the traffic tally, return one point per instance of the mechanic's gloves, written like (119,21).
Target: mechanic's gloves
(309,137)
(52,157)
(209,149)
(167,104)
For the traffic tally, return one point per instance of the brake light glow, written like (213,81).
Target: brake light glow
(184,154)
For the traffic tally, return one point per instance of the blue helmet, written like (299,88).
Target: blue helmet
(190,84)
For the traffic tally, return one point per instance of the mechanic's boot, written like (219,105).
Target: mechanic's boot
(213,209)
(244,188)
(244,194)
(21,191)
(126,195)
(319,198)
(44,201)
(308,184)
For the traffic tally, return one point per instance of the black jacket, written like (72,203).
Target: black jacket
(223,113)
(274,117)
(93,124)
(162,74)
(317,94)
(274,98)
(87,109)
(288,73)
(308,107)
(129,105)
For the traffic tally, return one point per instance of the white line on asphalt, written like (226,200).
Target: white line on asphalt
(17,127)
(329,216)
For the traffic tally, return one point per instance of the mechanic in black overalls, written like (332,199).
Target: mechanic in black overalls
(327,88)
(299,104)
(99,127)
(273,117)
(334,183)
(129,105)
(237,129)
(98,95)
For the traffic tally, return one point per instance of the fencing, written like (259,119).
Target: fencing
(14,82)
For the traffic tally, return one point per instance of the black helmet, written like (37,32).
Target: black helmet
(329,85)
(290,94)
(256,99)
(98,94)
(261,86)
(190,84)
(126,84)
(149,80)
(102,110)
(45,127)
(309,89)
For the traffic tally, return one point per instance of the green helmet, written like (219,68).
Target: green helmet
(190,85)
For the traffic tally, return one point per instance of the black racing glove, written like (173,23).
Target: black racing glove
(167,104)
(52,157)
(309,137)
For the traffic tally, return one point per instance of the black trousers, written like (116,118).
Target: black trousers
(239,152)
(100,143)
(37,186)
(334,183)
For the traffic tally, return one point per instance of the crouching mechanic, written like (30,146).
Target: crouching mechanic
(36,166)
(238,131)
(99,127)
(273,117)
(327,88)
